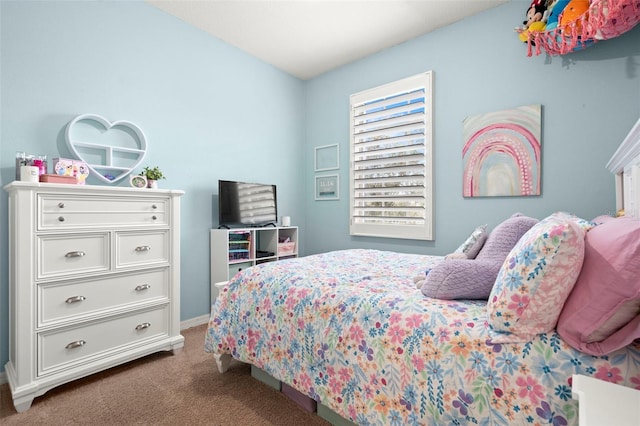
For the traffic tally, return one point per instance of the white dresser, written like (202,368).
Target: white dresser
(94,281)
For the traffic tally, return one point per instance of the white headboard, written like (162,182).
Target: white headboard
(625,164)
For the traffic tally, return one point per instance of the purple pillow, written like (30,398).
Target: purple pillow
(474,279)
(601,313)
(461,279)
(504,237)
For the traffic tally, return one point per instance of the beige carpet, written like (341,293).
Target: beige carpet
(163,389)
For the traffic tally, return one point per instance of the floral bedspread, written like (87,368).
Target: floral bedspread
(351,330)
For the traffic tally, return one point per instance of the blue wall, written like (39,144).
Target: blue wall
(211,111)
(590,100)
(208,110)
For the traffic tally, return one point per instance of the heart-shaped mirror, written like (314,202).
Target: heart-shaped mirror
(111,150)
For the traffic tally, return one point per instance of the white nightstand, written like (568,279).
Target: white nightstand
(602,403)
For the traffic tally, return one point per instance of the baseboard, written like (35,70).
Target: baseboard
(202,319)
(3,378)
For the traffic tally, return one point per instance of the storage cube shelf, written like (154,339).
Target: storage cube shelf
(233,250)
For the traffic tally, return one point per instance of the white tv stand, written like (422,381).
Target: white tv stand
(235,249)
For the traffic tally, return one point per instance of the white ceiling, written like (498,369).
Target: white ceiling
(306,38)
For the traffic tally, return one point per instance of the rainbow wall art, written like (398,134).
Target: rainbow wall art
(501,153)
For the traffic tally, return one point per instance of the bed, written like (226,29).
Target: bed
(350,329)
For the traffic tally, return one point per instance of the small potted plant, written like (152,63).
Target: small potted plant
(153,175)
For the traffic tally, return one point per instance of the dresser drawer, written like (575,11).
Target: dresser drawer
(69,254)
(60,301)
(65,348)
(65,211)
(142,248)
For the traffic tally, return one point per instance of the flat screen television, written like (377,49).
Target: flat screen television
(246,204)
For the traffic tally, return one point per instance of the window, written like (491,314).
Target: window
(391,175)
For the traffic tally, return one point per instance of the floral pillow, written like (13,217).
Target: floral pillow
(584,224)
(536,279)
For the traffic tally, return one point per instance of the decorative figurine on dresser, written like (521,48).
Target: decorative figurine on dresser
(94,281)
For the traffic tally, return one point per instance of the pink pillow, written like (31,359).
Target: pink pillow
(535,280)
(601,313)
(602,219)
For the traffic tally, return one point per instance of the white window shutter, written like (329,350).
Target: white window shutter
(391,170)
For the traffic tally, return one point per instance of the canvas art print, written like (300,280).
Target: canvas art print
(501,153)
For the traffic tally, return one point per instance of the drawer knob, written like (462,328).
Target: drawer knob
(61,219)
(143,287)
(143,248)
(143,326)
(76,344)
(61,205)
(75,299)
(75,254)
(154,217)
(154,206)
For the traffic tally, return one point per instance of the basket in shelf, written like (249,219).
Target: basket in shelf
(237,255)
(285,249)
(605,19)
